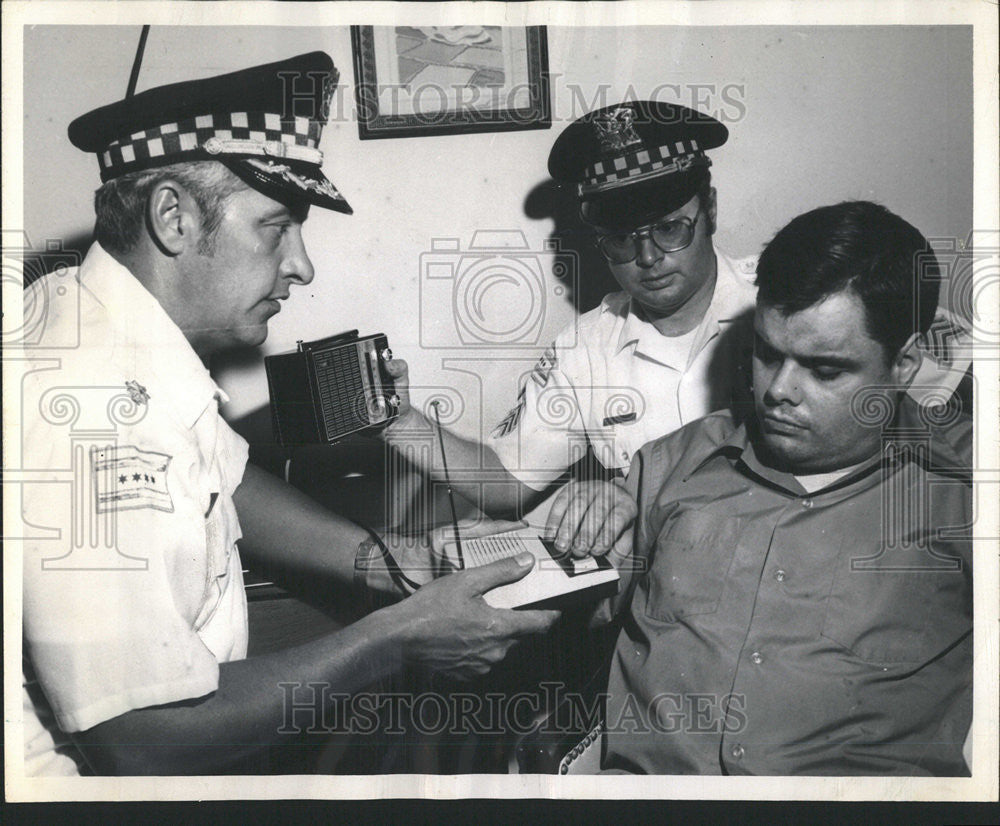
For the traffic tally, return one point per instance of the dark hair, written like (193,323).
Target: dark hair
(121,203)
(704,194)
(861,246)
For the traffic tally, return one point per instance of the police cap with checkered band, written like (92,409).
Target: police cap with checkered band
(263,123)
(634,162)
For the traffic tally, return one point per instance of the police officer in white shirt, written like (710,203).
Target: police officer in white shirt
(663,352)
(135,620)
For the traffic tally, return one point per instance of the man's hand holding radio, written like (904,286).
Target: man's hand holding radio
(400,372)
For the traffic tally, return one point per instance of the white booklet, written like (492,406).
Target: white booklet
(558,579)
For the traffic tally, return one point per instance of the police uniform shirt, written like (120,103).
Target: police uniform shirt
(780,631)
(133,589)
(613,381)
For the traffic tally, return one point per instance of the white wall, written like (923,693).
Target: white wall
(816,115)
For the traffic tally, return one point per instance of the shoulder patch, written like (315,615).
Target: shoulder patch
(510,422)
(546,364)
(127,478)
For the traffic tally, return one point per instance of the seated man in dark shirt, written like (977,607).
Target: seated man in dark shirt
(802,602)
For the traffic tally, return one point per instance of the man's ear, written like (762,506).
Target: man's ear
(710,210)
(908,361)
(172,218)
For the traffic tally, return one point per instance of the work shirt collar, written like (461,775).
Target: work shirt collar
(740,450)
(146,336)
(728,303)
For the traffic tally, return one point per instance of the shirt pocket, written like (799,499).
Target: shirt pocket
(693,554)
(896,617)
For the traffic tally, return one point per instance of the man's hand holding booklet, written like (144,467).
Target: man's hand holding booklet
(555,580)
(571,555)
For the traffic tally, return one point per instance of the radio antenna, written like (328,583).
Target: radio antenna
(134,77)
(447,479)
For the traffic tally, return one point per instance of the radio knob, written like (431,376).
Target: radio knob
(394,400)
(386,354)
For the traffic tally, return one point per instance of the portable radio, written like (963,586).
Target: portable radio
(327,389)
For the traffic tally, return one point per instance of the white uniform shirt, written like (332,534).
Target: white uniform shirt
(614,381)
(133,590)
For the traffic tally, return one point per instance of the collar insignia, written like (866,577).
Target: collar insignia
(136,392)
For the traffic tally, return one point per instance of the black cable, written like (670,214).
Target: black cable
(398,577)
(451,496)
(134,77)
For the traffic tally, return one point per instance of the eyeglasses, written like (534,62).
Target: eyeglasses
(668,236)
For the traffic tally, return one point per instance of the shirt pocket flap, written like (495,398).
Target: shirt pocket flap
(886,616)
(693,554)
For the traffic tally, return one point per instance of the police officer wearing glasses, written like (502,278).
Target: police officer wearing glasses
(651,358)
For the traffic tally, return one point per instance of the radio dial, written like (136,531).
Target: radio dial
(394,400)
(386,354)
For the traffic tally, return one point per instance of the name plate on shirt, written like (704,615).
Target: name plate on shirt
(624,418)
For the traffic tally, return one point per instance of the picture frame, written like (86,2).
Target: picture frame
(443,80)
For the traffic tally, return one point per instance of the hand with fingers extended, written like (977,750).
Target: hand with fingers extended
(448,627)
(592,519)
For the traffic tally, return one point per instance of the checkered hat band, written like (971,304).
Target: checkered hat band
(183,136)
(644,163)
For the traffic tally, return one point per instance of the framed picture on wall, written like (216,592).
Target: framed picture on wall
(438,80)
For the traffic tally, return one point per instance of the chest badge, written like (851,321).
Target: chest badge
(136,392)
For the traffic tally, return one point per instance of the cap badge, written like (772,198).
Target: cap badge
(615,130)
(136,392)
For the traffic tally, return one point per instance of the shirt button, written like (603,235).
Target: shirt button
(780,575)
(737,752)
(756,658)
(807,503)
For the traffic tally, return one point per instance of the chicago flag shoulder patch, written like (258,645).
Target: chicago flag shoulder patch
(127,478)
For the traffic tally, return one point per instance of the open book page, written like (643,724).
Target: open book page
(554,576)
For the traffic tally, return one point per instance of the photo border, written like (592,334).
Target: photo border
(982,786)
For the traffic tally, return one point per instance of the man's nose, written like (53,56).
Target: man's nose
(647,252)
(784,387)
(296,264)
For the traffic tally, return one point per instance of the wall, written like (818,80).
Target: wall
(816,115)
